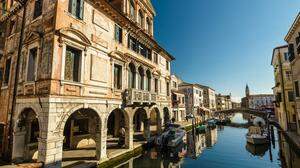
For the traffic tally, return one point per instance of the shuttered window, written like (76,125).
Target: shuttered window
(72,64)
(76,8)
(38,8)
(117,76)
(118,34)
(31,67)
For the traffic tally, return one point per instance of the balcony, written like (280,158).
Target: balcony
(140,96)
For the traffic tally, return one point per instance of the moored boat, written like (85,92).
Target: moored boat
(171,137)
(256,136)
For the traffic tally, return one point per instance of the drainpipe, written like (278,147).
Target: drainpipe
(16,77)
(283,91)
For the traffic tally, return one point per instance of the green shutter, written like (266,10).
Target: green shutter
(81,9)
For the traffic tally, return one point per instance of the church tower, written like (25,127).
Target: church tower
(247,91)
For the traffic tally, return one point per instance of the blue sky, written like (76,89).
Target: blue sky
(224,43)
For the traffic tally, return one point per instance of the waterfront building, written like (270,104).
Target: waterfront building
(209,98)
(235,105)
(193,98)
(258,101)
(83,71)
(293,40)
(223,102)
(283,89)
(178,100)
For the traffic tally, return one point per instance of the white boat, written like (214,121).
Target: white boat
(256,136)
(172,137)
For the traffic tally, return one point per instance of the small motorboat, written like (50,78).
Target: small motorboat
(256,136)
(211,123)
(201,128)
(172,136)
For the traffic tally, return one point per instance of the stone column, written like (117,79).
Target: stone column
(50,151)
(103,154)
(98,145)
(129,135)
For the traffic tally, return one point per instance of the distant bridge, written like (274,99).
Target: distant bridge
(259,113)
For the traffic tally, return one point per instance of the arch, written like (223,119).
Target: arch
(131,75)
(155,121)
(118,128)
(148,80)
(167,117)
(85,124)
(61,125)
(75,35)
(139,120)
(141,18)
(26,132)
(141,75)
(148,26)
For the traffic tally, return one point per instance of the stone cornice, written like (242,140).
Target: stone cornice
(293,28)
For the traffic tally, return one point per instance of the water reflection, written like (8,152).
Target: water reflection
(221,147)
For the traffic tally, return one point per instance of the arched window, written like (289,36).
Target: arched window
(132,9)
(149,26)
(141,78)
(141,19)
(148,82)
(131,76)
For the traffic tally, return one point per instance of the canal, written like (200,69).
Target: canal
(219,148)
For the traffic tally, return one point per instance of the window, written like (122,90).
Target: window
(132,9)
(148,82)
(297,89)
(149,26)
(141,19)
(131,76)
(155,55)
(168,89)
(31,65)
(139,48)
(174,84)
(156,85)
(291,52)
(118,34)
(76,8)
(286,56)
(38,8)
(141,78)
(117,76)
(72,64)
(167,65)
(291,96)
(7,71)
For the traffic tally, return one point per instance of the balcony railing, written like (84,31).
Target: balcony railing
(140,96)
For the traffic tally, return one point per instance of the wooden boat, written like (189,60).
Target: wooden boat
(256,136)
(211,123)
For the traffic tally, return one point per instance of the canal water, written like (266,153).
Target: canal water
(222,147)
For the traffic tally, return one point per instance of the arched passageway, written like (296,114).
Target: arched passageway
(26,134)
(82,131)
(167,118)
(117,129)
(141,125)
(155,121)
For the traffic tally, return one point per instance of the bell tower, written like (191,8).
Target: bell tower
(247,91)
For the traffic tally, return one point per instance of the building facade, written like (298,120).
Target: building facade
(236,105)
(178,100)
(209,98)
(223,102)
(193,97)
(84,70)
(283,89)
(293,40)
(258,101)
